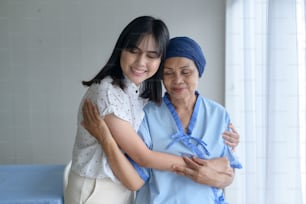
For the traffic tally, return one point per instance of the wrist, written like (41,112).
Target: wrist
(105,138)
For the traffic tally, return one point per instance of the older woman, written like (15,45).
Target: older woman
(185,124)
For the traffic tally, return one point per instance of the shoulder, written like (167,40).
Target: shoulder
(214,108)
(104,84)
(105,93)
(152,107)
(105,88)
(107,84)
(211,103)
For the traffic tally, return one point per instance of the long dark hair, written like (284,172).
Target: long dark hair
(129,38)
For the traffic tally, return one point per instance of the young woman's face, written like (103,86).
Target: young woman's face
(180,77)
(142,62)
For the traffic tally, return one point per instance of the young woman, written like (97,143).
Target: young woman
(129,79)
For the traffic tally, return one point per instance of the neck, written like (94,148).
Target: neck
(184,108)
(185,103)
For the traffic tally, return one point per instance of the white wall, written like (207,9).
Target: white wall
(48,46)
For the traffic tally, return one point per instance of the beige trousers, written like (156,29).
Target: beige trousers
(82,190)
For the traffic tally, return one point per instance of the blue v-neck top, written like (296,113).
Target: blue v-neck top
(162,131)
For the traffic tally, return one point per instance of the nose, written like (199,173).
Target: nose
(141,59)
(177,78)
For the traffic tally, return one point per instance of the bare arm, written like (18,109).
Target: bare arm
(120,165)
(127,139)
(214,172)
(133,145)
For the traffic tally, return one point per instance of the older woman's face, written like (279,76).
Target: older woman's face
(180,77)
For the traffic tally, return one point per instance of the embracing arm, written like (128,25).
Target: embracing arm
(133,145)
(120,165)
(127,139)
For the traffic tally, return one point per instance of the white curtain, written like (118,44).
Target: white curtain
(265,95)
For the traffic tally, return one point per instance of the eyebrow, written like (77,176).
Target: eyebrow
(153,52)
(182,67)
(149,51)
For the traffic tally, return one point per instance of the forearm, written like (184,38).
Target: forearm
(132,144)
(158,160)
(120,165)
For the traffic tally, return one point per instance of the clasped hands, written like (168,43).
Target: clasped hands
(214,172)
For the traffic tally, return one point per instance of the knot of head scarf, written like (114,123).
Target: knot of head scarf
(186,47)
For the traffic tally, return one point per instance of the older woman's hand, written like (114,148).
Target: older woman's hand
(93,122)
(231,138)
(213,172)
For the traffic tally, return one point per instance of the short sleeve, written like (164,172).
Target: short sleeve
(112,100)
(232,158)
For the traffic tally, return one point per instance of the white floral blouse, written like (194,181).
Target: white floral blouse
(88,158)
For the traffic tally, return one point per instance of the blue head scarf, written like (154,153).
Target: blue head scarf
(186,47)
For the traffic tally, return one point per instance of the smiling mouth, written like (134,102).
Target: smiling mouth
(139,71)
(177,89)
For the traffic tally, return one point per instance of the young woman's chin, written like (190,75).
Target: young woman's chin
(138,78)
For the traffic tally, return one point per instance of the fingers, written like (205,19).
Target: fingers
(93,122)
(91,116)
(189,170)
(183,171)
(232,145)
(86,115)
(90,111)
(199,161)
(95,111)
(234,134)
(233,128)
(193,163)
(231,138)
(229,172)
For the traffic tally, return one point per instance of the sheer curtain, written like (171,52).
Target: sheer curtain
(265,95)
